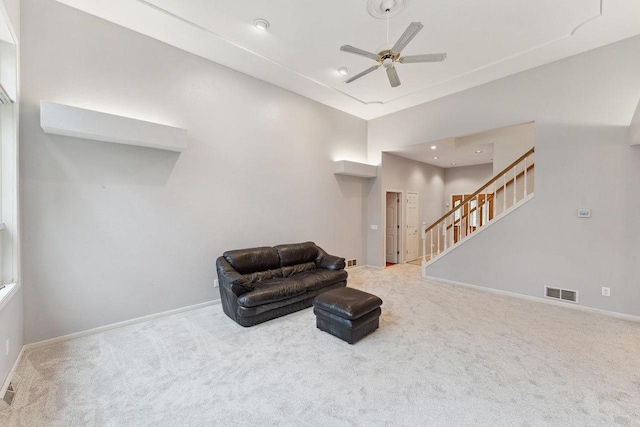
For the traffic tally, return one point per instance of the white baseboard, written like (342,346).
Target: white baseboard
(360,267)
(99,329)
(615,314)
(7,381)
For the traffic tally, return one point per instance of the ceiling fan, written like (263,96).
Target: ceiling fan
(388,57)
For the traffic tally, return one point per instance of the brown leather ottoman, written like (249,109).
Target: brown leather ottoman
(347,313)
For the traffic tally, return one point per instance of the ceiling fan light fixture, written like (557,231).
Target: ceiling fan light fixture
(343,70)
(261,24)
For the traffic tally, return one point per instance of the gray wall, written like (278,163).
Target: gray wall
(464,180)
(582,107)
(13,10)
(404,174)
(114,232)
(11,315)
(512,144)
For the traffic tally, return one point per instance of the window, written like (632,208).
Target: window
(8,156)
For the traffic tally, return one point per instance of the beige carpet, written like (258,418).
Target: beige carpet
(443,356)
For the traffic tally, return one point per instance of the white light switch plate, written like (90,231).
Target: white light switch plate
(584,213)
(374,227)
(216,283)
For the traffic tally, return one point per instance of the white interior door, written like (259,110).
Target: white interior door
(392,227)
(412,226)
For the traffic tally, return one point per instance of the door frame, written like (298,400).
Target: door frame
(401,222)
(418,227)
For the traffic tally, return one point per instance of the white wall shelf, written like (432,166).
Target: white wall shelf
(60,119)
(634,128)
(345,167)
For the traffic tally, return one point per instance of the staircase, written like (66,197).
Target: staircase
(500,195)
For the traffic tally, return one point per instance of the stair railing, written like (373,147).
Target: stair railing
(497,196)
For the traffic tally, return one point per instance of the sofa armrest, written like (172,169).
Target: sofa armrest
(230,279)
(329,262)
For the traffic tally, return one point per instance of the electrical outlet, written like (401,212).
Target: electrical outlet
(216,283)
(373,227)
(606,292)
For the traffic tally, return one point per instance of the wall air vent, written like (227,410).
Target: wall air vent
(561,294)
(4,96)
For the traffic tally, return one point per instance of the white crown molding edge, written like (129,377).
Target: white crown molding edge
(378,102)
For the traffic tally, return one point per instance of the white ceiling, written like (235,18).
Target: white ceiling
(447,154)
(463,150)
(484,41)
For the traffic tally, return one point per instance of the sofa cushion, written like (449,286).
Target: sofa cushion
(261,276)
(270,291)
(318,279)
(298,268)
(247,261)
(297,253)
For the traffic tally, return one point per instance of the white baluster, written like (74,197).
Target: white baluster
(438,238)
(485,211)
(495,200)
(525,176)
(504,193)
(477,213)
(515,176)
(466,222)
(444,233)
(431,236)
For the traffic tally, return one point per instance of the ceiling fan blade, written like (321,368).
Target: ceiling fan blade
(364,73)
(430,57)
(393,77)
(355,50)
(412,30)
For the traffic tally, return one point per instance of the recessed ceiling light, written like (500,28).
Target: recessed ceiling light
(435,158)
(433,147)
(478,151)
(261,24)
(343,70)
(453,164)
